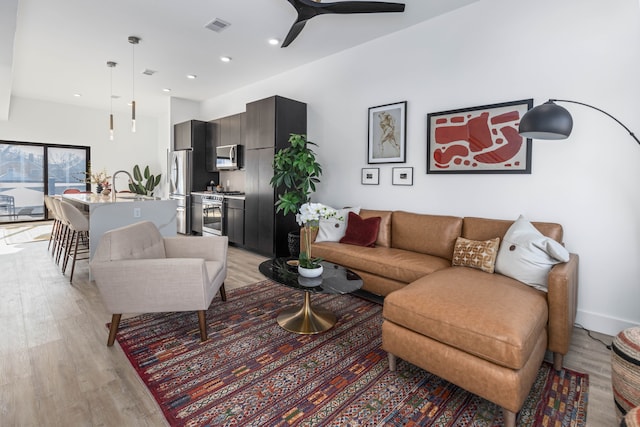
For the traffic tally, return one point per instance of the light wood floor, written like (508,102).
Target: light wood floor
(56,370)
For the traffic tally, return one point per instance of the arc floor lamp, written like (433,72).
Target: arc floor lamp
(552,121)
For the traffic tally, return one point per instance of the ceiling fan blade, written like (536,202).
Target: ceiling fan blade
(293,33)
(362,7)
(307,9)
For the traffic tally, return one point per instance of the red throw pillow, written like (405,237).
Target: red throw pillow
(361,232)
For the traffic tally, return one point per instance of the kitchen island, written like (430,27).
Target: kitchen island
(106,214)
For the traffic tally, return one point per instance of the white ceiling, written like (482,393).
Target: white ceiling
(61,47)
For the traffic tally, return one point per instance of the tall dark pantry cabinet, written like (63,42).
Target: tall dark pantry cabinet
(269,123)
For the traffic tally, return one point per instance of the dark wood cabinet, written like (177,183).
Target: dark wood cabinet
(196,214)
(269,122)
(235,221)
(231,130)
(194,135)
(228,130)
(213,140)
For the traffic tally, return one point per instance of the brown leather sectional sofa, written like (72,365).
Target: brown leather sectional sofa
(485,332)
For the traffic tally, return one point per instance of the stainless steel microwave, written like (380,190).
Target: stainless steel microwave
(229,157)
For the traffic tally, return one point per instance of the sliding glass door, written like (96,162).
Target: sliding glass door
(28,171)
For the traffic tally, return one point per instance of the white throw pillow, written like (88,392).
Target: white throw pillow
(333,229)
(527,255)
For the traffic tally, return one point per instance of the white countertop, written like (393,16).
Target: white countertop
(92,199)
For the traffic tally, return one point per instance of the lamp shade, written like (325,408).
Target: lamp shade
(546,121)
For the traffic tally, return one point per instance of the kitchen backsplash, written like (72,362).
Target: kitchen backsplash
(232,180)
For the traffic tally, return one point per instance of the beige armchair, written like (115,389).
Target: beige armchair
(137,270)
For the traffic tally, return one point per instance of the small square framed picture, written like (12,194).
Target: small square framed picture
(402,176)
(370,176)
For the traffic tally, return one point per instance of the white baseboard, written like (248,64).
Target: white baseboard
(604,324)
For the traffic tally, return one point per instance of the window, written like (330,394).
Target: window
(23,168)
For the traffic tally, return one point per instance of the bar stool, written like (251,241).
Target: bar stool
(63,229)
(78,225)
(48,201)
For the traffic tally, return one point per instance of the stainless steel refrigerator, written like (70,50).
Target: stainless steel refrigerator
(180,174)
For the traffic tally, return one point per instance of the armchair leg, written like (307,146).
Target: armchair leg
(223,293)
(113,330)
(202,323)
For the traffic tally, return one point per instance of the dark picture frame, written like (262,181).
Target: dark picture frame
(481,139)
(387,133)
(402,176)
(370,176)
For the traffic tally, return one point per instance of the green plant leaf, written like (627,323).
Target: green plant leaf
(136,173)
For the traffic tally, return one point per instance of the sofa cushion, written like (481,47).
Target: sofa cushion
(333,229)
(428,234)
(476,253)
(396,264)
(488,315)
(361,232)
(526,255)
(486,228)
(384,233)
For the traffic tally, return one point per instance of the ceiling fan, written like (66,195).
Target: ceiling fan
(307,9)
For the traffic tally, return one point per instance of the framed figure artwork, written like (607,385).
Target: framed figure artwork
(482,139)
(370,176)
(387,133)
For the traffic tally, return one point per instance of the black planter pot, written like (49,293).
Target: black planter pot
(293,240)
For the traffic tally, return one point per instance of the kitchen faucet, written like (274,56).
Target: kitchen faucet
(113,187)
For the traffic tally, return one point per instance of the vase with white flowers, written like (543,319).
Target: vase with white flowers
(309,216)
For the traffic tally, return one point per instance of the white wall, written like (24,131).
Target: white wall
(46,122)
(496,51)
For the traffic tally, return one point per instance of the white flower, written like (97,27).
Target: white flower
(313,212)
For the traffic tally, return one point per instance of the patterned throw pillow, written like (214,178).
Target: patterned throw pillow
(476,254)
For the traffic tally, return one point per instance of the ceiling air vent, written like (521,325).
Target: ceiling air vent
(217,25)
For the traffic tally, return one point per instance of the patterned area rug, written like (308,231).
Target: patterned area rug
(252,372)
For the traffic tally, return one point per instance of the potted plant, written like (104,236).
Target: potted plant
(309,216)
(145,182)
(296,172)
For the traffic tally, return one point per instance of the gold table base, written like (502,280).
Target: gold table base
(306,320)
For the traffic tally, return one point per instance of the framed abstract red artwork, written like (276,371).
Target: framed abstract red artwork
(482,139)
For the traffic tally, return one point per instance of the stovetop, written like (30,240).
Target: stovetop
(224,193)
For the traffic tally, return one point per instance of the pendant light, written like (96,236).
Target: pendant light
(134,41)
(111,65)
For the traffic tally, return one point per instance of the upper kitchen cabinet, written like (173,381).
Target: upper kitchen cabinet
(228,130)
(232,130)
(194,135)
(187,135)
(270,121)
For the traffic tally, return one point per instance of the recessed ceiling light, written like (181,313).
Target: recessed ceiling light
(166,89)
(274,42)
(225,59)
(191,76)
(77,95)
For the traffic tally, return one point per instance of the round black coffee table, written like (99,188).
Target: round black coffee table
(309,319)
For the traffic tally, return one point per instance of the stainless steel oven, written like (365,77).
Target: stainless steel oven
(213,215)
